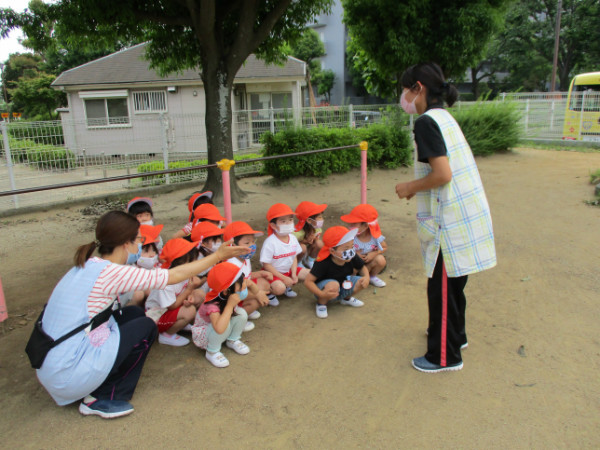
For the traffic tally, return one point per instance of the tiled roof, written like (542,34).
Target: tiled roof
(128,66)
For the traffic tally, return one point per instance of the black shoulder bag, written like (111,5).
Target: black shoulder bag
(40,343)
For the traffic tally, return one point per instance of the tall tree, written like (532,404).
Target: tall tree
(389,35)
(308,48)
(215,36)
(527,43)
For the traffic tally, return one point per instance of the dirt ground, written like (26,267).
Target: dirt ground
(531,370)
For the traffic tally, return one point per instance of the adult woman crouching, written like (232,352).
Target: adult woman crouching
(102,363)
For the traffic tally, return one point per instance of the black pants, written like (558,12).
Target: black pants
(447,304)
(138,332)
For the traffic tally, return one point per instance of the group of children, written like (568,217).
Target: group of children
(218,305)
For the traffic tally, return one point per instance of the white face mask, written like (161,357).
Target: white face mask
(214,247)
(316,223)
(285,229)
(409,108)
(147,262)
(148,222)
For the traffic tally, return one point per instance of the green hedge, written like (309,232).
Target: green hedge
(154,166)
(42,156)
(388,147)
(489,127)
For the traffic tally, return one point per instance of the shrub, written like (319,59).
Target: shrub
(50,157)
(489,126)
(154,166)
(388,147)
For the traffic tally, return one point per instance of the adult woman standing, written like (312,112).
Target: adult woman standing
(453,217)
(102,364)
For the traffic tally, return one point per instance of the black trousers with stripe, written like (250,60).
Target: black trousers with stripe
(447,304)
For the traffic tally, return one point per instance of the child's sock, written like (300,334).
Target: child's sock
(273,300)
(309,262)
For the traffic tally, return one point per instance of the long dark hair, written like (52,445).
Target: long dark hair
(431,76)
(113,229)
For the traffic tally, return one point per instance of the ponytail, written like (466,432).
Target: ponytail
(83,253)
(431,76)
(113,229)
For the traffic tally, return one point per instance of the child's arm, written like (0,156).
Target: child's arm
(364,273)
(325,294)
(255,290)
(262,274)
(183,295)
(220,321)
(294,270)
(180,234)
(371,255)
(286,280)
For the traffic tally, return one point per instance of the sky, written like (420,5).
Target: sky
(11,44)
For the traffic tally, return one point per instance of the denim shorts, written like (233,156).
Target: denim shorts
(343,292)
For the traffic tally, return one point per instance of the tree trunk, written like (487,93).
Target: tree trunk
(218,116)
(475,82)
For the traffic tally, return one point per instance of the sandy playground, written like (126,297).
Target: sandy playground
(531,375)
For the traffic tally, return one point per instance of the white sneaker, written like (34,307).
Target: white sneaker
(254,315)
(322,311)
(238,346)
(217,359)
(249,326)
(352,302)
(377,282)
(273,301)
(291,294)
(173,339)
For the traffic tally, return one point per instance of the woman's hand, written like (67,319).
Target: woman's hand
(227,250)
(403,191)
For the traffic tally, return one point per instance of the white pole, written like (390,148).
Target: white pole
(581,115)
(165,146)
(9,164)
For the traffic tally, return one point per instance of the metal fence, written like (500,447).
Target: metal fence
(45,153)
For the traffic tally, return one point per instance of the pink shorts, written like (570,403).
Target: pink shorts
(167,320)
(287,274)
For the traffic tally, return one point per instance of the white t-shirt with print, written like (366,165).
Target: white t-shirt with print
(279,254)
(244,265)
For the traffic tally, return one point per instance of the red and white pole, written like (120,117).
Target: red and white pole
(3,310)
(225,165)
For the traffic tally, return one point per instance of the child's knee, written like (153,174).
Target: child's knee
(278,287)
(187,313)
(380,261)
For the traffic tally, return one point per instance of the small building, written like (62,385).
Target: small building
(117,105)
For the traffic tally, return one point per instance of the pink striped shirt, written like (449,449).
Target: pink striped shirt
(116,279)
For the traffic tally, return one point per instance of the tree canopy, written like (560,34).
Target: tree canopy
(216,36)
(387,36)
(526,44)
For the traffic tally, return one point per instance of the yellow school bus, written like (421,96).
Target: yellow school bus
(582,114)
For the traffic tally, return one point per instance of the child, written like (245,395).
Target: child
(205,212)
(218,320)
(334,275)
(141,209)
(209,238)
(308,231)
(148,260)
(257,282)
(197,199)
(278,253)
(369,244)
(174,307)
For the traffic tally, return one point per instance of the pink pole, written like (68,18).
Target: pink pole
(225,165)
(3,310)
(363,171)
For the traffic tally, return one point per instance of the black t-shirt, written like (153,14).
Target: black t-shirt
(327,269)
(429,139)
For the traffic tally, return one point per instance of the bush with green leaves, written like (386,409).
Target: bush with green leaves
(489,127)
(42,156)
(388,147)
(154,166)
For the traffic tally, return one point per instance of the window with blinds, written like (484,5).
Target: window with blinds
(149,102)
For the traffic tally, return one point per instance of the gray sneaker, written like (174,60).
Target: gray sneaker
(107,409)
(422,365)
(356,303)
(322,311)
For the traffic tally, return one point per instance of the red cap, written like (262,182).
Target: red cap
(135,200)
(208,211)
(278,210)
(364,213)
(307,209)
(220,277)
(151,233)
(239,228)
(205,230)
(333,237)
(195,197)
(173,249)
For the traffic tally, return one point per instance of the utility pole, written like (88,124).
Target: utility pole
(556,40)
